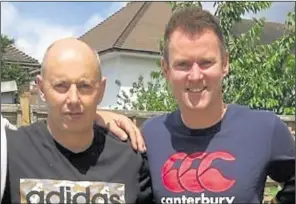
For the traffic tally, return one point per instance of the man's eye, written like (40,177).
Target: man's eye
(84,86)
(60,86)
(183,65)
(205,64)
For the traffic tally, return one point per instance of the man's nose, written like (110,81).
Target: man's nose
(73,95)
(195,72)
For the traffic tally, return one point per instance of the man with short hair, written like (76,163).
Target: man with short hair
(68,158)
(208,151)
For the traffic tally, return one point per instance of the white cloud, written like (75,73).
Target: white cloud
(8,15)
(33,36)
(24,44)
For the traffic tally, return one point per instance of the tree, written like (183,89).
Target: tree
(153,96)
(261,75)
(11,72)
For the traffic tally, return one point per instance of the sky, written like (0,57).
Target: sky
(35,25)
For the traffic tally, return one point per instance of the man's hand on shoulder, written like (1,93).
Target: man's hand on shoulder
(122,127)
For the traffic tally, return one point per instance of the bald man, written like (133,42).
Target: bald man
(68,158)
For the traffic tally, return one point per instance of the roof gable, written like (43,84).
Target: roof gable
(107,34)
(146,33)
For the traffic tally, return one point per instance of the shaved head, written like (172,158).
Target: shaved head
(67,49)
(71,84)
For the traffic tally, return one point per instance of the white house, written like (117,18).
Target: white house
(8,92)
(128,43)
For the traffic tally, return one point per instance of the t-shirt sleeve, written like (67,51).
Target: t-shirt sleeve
(145,194)
(282,155)
(282,161)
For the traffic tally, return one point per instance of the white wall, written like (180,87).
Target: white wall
(127,70)
(109,67)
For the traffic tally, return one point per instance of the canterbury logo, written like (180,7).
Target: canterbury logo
(196,180)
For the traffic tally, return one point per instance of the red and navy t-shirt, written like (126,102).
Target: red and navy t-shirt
(226,163)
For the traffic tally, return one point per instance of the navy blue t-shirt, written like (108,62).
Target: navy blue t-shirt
(226,163)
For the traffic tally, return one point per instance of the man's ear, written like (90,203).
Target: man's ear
(102,88)
(39,83)
(225,65)
(164,67)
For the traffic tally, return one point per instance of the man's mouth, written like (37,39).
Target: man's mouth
(73,114)
(196,90)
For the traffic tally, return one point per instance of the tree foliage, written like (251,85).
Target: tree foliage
(11,72)
(153,96)
(261,76)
